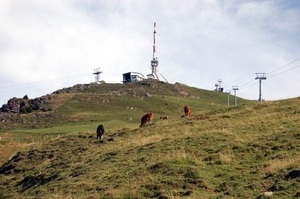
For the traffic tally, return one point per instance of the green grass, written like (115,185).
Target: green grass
(223,152)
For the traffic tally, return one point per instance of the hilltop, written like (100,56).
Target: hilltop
(103,98)
(223,152)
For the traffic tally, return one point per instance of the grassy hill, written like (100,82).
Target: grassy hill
(223,152)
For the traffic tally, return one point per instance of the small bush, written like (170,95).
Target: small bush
(129,196)
(26,109)
(191,173)
(2,196)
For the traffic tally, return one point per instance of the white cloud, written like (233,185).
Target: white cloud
(198,42)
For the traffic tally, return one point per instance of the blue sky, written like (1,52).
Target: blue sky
(48,45)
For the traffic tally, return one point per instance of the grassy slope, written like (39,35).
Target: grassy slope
(236,152)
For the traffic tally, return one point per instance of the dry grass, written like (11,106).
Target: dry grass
(226,158)
(8,147)
(277,164)
(141,140)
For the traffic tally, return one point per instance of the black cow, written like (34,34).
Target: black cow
(100,131)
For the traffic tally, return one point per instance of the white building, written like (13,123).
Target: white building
(132,77)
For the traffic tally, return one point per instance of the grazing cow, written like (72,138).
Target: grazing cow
(100,131)
(163,117)
(187,112)
(146,118)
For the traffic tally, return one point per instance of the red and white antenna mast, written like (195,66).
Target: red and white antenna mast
(154,61)
(154,43)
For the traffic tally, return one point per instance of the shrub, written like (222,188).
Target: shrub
(26,109)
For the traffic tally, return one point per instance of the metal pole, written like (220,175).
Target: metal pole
(235,103)
(228,100)
(235,88)
(259,99)
(260,76)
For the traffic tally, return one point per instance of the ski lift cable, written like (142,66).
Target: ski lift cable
(283,66)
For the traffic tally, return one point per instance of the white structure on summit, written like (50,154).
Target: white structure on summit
(154,61)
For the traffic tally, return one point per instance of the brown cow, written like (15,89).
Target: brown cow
(146,118)
(187,111)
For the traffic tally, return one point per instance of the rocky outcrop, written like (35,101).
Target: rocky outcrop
(25,105)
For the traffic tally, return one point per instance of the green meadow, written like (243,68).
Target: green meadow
(222,152)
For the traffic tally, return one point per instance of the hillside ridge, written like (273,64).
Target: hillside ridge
(44,108)
(223,152)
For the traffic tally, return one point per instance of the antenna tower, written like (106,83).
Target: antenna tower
(154,61)
(220,81)
(97,73)
(218,86)
(235,88)
(260,76)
